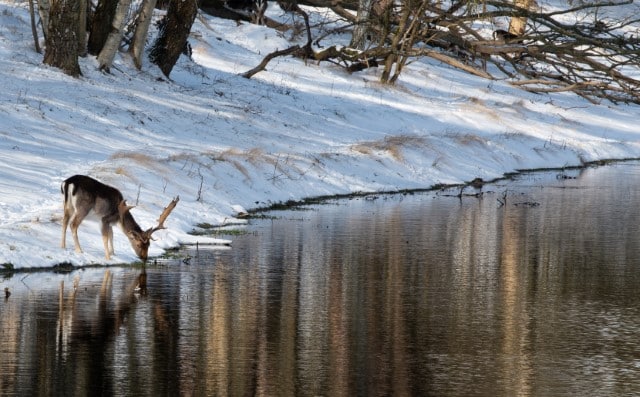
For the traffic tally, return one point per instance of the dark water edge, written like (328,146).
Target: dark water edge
(289,204)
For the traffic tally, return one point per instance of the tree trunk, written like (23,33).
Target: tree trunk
(392,59)
(82,27)
(101,24)
(518,25)
(363,24)
(34,30)
(172,38)
(142,30)
(108,52)
(44,10)
(61,42)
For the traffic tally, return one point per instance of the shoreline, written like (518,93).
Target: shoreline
(9,270)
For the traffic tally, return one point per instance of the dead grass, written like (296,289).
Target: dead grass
(140,158)
(467,139)
(480,106)
(392,145)
(233,157)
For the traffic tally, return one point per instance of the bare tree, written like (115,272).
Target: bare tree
(594,55)
(108,52)
(403,39)
(44,9)
(82,27)
(101,24)
(362,25)
(143,20)
(173,34)
(518,24)
(595,58)
(61,41)
(34,30)
(293,7)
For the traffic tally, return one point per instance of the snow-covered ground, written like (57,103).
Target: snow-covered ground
(294,131)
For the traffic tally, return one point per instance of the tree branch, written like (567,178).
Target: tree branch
(262,66)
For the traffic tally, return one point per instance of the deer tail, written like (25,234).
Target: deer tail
(64,189)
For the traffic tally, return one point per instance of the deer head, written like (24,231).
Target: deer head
(139,239)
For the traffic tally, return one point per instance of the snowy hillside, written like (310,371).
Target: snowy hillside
(296,130)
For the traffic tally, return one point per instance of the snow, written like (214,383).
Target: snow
(225,144)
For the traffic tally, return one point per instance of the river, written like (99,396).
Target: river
(527,287)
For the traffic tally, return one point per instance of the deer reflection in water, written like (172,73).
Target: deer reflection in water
(80,322)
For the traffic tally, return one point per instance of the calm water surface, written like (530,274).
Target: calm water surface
(396,295)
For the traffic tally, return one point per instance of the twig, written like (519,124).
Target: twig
(503,201)
(138,195)
(199,198)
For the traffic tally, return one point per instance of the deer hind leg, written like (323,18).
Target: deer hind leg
(77,215)
(65,223)
(69,212)
(75,223)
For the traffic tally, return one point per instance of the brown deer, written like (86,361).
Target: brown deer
(83,195)
(506,36)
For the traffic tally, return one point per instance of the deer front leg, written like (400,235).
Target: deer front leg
(107,239)
(107,253)
(110,241)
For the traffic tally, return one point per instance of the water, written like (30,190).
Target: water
(422,294)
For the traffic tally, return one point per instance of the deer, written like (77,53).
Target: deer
(83,195)
(506,36)
(256,9)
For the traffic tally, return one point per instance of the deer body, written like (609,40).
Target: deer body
(506,36)
(83,195)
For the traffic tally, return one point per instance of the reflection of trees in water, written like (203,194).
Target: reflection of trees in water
(318,319)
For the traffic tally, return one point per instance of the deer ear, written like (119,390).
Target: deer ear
(123,208)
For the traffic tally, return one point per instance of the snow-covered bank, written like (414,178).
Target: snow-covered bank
(296,130)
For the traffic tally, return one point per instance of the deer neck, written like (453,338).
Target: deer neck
(129,224)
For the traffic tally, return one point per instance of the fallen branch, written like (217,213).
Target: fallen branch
(354,61)
(451,61)
(535,85)
(262,66)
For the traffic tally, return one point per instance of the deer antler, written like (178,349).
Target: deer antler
(165,213)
